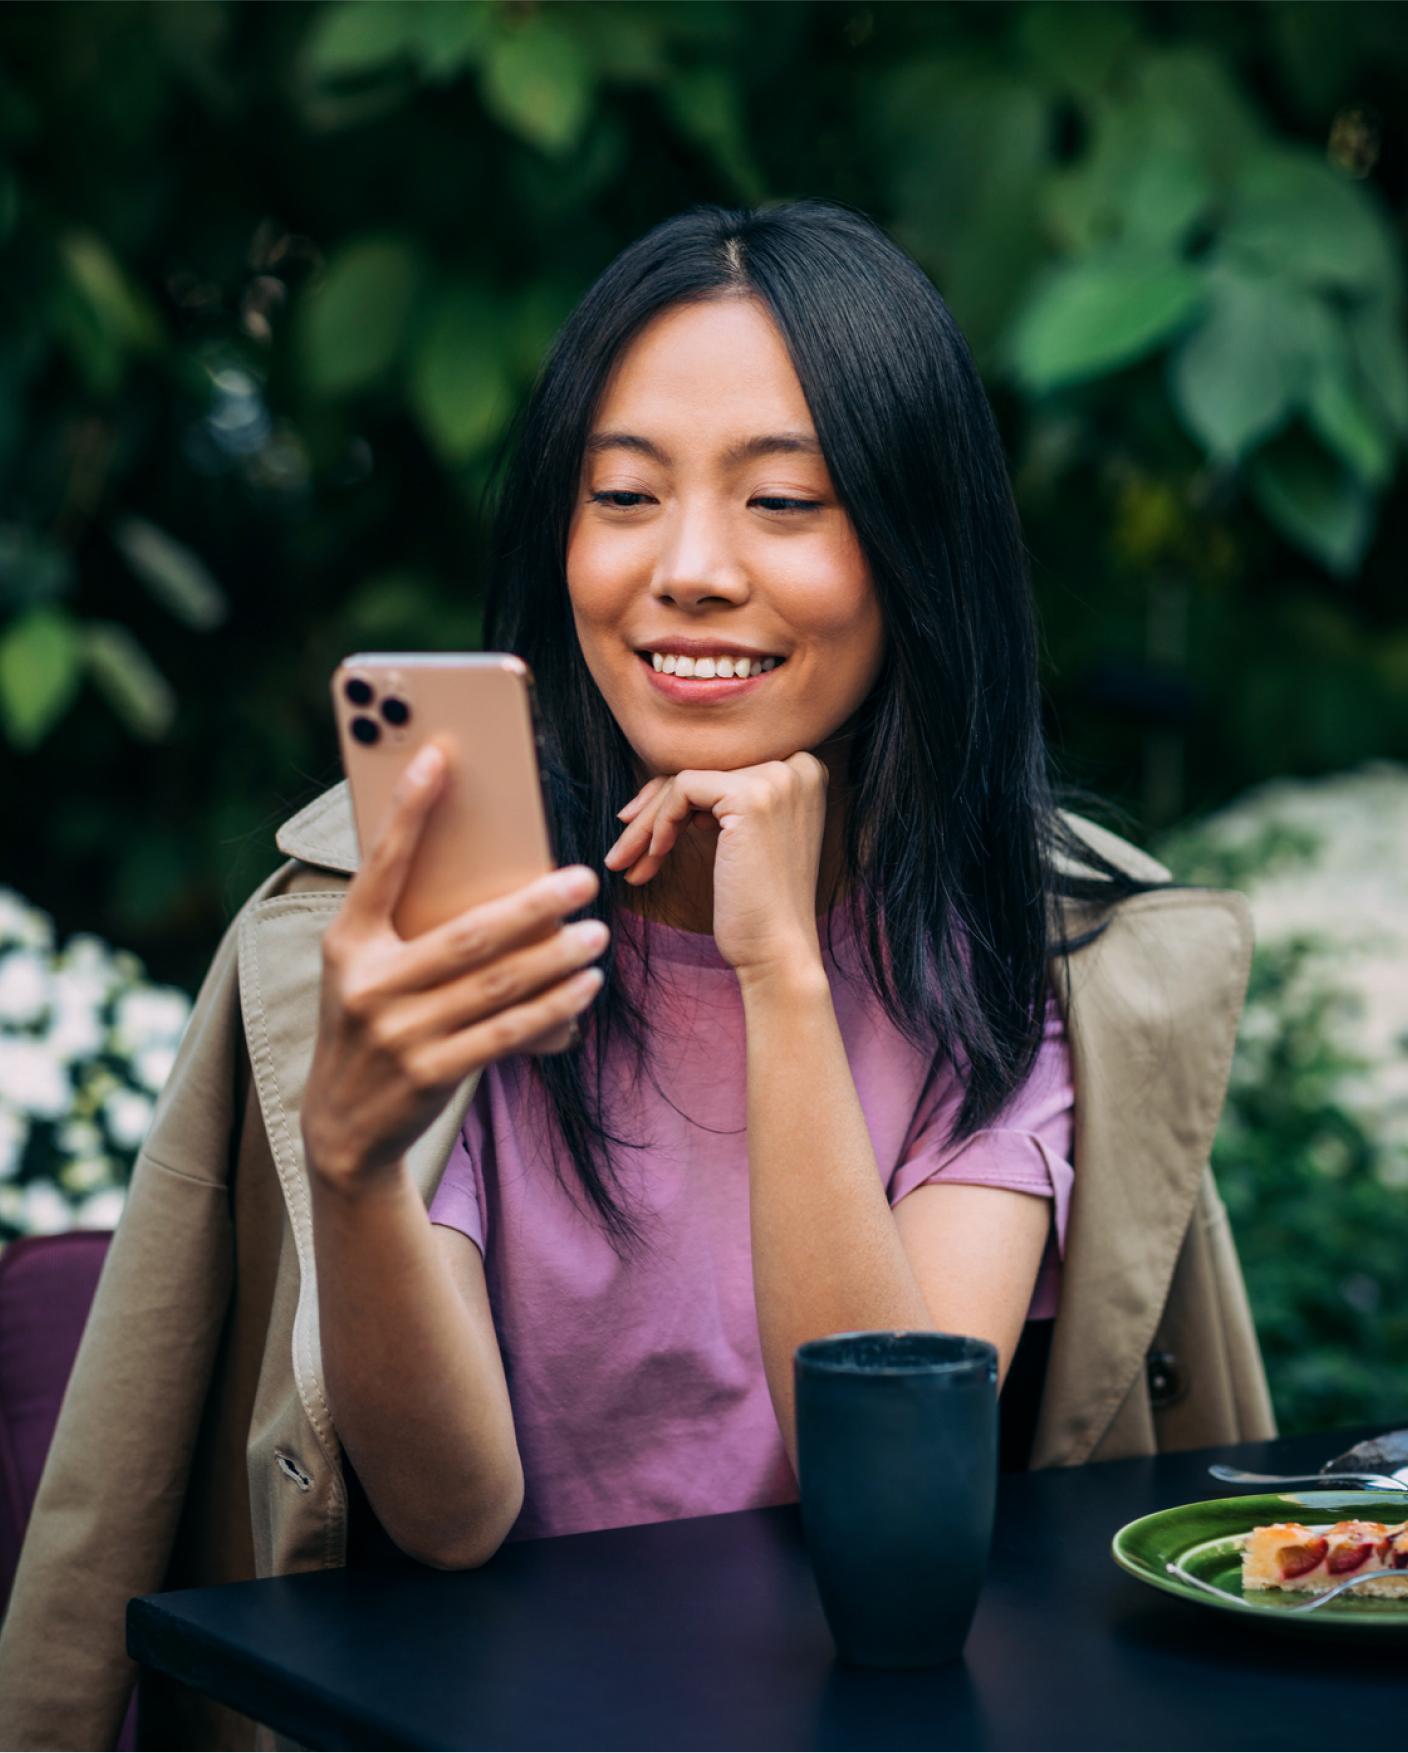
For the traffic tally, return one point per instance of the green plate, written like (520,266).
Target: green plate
(1204,1539)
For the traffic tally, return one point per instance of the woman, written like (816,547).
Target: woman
(851,990)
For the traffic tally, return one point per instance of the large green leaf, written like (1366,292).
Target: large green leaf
(132,684)
(353,325)
(1100,313)
(1346,420)
(460,385)
(451,35)
(39,673)
(1186,96)
(536,81)
(1076,49)
(1298,216)
(625,41)
(1129,184)
(357,37)
(1377,337)
(1317,505)
(1240,374)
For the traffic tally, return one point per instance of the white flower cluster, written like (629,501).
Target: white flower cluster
(1333,876)
(85,1046)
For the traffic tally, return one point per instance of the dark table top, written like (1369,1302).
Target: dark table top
(708,1634)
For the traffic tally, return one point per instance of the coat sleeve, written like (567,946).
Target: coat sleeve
(112,1490)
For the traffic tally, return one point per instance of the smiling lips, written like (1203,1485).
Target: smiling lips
(700,680)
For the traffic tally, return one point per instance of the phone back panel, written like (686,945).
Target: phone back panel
(487,833)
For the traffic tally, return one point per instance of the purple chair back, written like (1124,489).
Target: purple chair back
(46,1287)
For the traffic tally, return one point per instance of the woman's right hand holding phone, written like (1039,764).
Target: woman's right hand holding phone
(403,1021)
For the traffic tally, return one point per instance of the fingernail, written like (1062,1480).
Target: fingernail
(425,766)
(591,934)
(576,883)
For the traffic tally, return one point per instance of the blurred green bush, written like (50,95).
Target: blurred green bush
(272,280)
(1312,1153)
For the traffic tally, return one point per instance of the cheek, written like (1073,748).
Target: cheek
(830,598)
(599,582)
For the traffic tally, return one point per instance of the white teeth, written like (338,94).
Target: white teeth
(672,664)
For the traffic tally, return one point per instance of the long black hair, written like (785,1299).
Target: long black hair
(954,848)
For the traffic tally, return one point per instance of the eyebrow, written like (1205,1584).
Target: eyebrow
(765,444)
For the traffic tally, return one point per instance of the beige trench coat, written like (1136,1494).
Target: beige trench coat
(196,1445)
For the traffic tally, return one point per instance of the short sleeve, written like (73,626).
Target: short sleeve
(458,1200)
(1029,1148)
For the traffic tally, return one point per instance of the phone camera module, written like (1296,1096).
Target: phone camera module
(359,692)
(366,730)
(395,712)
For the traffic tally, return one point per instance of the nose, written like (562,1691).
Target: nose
(696,566)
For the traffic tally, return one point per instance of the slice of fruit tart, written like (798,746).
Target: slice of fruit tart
(1289,1555)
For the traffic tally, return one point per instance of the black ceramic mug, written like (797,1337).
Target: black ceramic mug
(897,1463)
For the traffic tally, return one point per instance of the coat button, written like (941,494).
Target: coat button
(1166,1379)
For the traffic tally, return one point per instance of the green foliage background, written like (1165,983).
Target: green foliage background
(273,278)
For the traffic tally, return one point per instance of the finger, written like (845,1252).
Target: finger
(638,802)
(486,931)
(809,766)
(673,813)
(557,1040)
(374,891)
(634,838)
(510,980)
(687,794)
(449,1061)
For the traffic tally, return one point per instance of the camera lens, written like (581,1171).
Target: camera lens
(366,730)
(395,711)
(359,692)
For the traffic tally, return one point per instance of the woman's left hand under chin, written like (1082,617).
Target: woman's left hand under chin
(766,858)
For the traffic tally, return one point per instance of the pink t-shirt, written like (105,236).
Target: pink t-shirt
(637,1386)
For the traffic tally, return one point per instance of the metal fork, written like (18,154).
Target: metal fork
(1309,1605)
(1325,1481)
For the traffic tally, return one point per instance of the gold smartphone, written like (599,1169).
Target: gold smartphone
(488,830)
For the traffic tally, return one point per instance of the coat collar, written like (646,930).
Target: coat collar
(323,832)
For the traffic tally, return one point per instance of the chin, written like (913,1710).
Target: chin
(711,750)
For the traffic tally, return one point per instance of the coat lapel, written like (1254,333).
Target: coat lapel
(280,981)
(323,833)
(1152,1011)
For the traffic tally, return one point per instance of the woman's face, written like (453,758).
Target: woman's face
(706,526)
